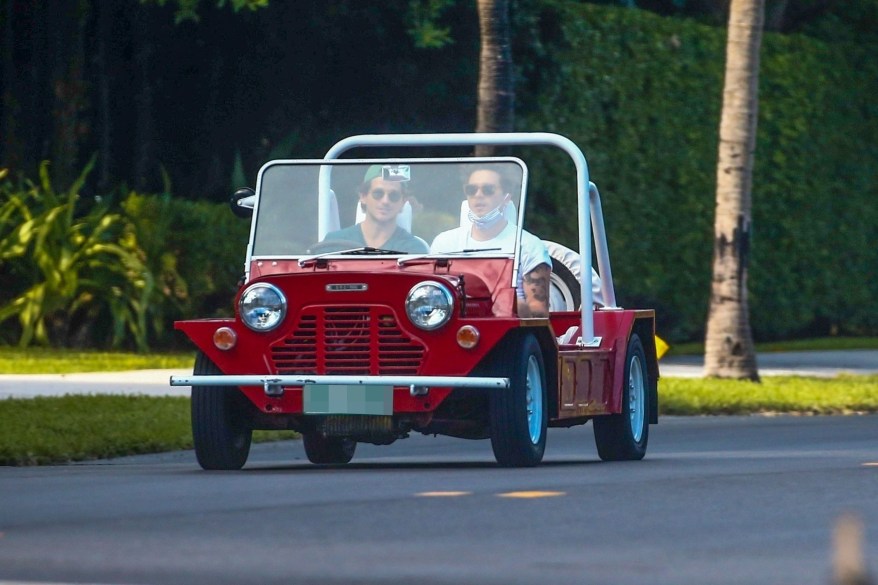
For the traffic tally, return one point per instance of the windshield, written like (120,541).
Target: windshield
(415,206)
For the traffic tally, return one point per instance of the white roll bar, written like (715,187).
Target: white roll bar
(588,199)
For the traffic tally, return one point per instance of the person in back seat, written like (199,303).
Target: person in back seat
(487,196)
(383,194)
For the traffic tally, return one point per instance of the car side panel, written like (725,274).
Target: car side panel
(590,378)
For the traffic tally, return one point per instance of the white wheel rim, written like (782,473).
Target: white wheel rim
(636,398)
(534,396)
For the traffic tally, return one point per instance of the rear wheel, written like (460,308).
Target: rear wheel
(519,416)
(221,421)
(325,450)
(623,437)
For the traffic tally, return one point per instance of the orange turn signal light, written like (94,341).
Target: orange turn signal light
(225,338)
(467,337)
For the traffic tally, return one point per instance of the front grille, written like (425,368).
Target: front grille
(347,341)
(346,425)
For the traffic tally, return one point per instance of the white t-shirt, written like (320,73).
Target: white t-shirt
(533,252)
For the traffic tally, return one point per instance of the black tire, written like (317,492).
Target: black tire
(519,414)
(623,437)
(563,285)
(328,450)
(221,421)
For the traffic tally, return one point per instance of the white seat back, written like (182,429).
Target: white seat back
(334,223)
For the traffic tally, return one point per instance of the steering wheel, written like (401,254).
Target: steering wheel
(333,246)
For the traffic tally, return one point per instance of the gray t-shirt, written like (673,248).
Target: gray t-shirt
(399,241)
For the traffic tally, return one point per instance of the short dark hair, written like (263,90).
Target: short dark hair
(366,186)
(507,183)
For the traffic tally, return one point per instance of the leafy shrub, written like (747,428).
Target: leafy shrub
(72,265)
(92,273)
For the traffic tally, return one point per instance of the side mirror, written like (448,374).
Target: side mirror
(242,202)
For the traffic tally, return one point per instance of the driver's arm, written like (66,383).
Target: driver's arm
(536,293)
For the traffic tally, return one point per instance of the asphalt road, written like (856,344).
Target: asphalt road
(718,500)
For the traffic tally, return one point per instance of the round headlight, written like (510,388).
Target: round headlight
(262,307)
(429,305)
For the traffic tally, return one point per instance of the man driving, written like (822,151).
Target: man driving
(382,196)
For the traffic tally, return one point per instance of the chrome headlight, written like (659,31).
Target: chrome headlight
(262,307)
(429,305)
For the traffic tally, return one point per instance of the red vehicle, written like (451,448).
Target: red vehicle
(347,343)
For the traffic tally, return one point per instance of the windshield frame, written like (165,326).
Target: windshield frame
(325,204)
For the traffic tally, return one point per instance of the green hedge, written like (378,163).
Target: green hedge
(641,94)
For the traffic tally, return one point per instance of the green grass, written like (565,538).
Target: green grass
(775,394)
(76,428)
(64,361)
(822,343)
(49,430)
(43,431)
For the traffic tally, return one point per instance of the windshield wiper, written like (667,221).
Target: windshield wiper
(367,250)
(407,259)
(364,251)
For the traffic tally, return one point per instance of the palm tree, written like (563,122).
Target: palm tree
(729,351)
(496,104)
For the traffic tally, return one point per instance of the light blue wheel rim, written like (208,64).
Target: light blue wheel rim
(534,397)
(636,398)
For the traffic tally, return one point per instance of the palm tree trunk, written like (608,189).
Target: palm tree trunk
(496,105)
(729,351)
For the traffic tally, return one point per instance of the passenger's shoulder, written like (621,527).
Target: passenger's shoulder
(530,239)
(448,237)
(536,248)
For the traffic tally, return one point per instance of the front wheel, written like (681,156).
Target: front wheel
(328,450)
(623,437)
(518,414)
(221,428)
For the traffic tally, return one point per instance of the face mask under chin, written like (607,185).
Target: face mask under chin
(489,219)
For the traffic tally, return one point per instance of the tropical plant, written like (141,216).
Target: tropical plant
(77,266)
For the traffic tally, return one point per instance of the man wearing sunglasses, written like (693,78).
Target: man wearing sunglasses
(487,196)
(382,198)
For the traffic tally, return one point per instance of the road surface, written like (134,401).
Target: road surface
(718,500)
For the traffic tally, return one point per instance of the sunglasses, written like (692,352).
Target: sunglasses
(488,189)
(378,195)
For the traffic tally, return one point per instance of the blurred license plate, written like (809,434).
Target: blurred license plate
(348,399)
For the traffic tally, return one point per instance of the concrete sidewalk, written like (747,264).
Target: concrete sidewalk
(156,382)
(148,382)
